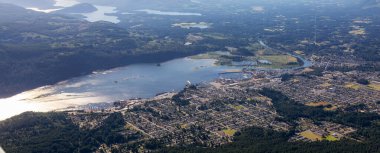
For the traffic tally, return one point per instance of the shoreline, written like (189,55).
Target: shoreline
(131,60)
(305,63)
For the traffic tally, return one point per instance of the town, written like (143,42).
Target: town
(212,113)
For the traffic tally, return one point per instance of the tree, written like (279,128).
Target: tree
(363,81)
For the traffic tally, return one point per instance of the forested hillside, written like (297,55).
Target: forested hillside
(38,49)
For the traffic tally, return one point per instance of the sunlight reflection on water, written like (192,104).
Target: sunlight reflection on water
(140,80)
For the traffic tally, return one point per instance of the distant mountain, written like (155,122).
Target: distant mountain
(79,8)
(130,4)
(9,11)
(41,4)
(127,5)
(12,13)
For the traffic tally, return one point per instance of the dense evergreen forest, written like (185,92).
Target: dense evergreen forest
(56,133)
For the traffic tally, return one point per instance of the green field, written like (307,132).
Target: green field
(375,86)
(311,135)
(229,132)
(331,138)
(352,86)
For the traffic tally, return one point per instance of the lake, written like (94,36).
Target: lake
(134,81)
(101,14)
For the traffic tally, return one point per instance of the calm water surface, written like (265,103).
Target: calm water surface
(101,14)
(134,81)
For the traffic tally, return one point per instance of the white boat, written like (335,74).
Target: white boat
(1,150)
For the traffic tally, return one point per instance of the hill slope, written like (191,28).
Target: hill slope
(37,49)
